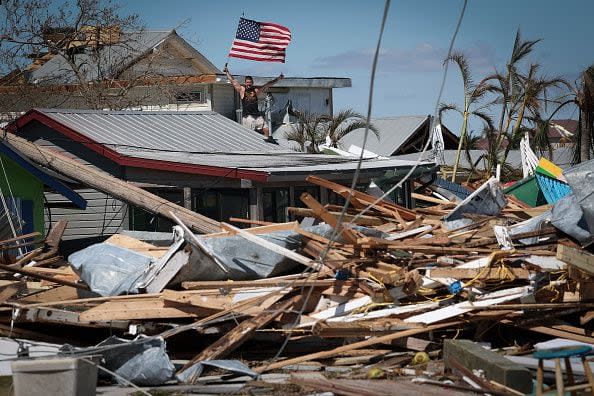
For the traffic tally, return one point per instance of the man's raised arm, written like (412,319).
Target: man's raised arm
(270,83)
(234,82)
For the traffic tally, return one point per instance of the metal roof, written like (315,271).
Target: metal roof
(562,157)
(393,132)
(162,132)
(282,163)
(111,57)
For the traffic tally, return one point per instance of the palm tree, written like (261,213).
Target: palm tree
(308,132)
(532,99)
(345,122)
(583,98)
(473,93)
(585,101)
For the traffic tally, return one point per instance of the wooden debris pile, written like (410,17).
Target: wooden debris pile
(393,283)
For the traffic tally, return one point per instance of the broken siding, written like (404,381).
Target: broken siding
(104,215)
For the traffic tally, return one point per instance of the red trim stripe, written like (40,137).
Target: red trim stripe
(234,173)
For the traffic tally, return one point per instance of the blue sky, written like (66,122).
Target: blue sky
(337,39)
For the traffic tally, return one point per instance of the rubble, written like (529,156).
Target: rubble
(353,299)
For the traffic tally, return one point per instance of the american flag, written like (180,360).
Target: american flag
(260,41)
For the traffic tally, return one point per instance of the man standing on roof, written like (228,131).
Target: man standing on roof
(252,117)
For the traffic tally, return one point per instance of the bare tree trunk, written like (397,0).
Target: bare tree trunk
(585,138)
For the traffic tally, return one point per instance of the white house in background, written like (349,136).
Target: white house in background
(167,73)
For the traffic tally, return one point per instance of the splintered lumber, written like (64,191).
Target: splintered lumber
(357,345)
(361,328)
(242,332)
(19,238)
(363,220)
(365,199)
(104,182)
(35,274)
(489,273)
(147,308)
(329,218)
(578,258)
(228,285)
(53,240)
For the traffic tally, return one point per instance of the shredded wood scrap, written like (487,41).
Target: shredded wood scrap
(393,280)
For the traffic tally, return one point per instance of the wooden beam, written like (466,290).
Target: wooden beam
(241,333)
(485,273)
(228,285)
(576,257)
(357,345)
(147,308)
(363,220)
(329,218)
(34,274)
(367,199)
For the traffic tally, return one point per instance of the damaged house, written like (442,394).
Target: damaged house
(200,160)
(148,70)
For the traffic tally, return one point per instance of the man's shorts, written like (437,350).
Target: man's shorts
(252,122)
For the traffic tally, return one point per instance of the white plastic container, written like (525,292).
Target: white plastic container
(54,377)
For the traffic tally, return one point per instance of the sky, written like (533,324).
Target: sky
(338,38)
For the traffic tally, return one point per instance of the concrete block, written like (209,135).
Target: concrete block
(496,367)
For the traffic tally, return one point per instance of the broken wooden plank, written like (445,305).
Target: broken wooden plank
(241,333)
(109,184)
(576,257)
(357,345)
(34,274)
(364,220)
(480,273)
(147,308)
(229,285)
(321,212)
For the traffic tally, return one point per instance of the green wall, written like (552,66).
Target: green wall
(24,186)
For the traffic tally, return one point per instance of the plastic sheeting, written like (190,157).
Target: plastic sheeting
(142,361)
(109,270)
(234,366)
(566,215)
(581,180)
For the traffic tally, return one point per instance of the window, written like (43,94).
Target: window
(221,204)
(142,220)
(190,97)
(275,202)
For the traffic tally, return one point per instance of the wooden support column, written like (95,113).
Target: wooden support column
(188,198)
(255,199)
(323,195)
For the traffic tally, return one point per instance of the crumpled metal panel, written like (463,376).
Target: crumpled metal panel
(581,180)
(234,366)
(487,200)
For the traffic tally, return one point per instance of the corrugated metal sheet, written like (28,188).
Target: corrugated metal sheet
(393,132)
(562,157)
(167,133)
(111,58)
(278,163)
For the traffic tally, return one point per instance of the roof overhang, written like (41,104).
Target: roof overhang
(124,160)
